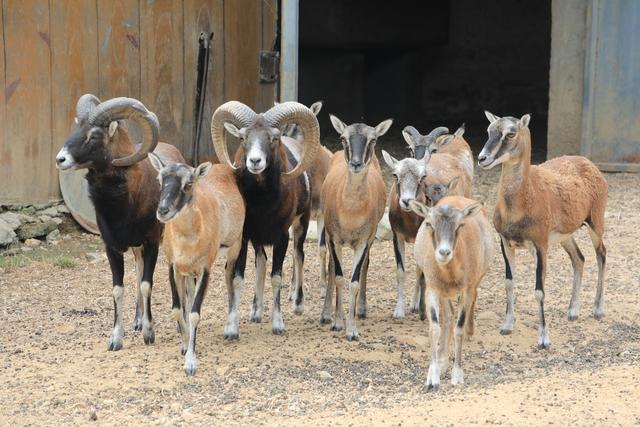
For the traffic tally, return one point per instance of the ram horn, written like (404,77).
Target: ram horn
(129,109)
(233,112)
(86,104)
(296,113)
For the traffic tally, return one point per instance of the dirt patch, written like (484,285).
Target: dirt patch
(56,320)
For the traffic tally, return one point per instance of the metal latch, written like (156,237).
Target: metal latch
(269,66)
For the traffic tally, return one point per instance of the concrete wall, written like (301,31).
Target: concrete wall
(566,76)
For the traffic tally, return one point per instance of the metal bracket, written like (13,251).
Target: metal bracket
(269,66)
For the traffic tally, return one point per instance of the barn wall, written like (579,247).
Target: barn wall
(54,51)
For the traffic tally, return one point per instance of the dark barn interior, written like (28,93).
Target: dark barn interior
(427,63)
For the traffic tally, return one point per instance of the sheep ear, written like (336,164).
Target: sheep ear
(458,133)
(316,107)
(202,170)
(524,121)
(338,125)
(491,117)
(471,210)
(156,162)
(113,126)
(453,183)
(383,127)
(419,209)
(409,133)
(232,129)
(389,159)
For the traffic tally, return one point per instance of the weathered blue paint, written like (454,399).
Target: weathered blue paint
(611,103)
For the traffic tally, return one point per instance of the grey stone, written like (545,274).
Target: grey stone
(41,206)
(53,236)
(62,209)
(29,231)
(58,221)
(28,210)
(52,211)
(33,243)
(24,218)
(12,219)
(7,235)
(44,218)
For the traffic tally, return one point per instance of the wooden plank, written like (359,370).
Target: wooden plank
(5,153)
(74,65)
(119,48)
(268,91)
(199,16)
(27,129)
(243,34)
(162,75)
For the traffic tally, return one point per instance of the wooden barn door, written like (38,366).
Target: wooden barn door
(51,52)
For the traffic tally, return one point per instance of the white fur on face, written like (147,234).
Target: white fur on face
(256,158)
(410,173)
(64,160)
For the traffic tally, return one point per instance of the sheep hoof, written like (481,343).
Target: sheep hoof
(544,346)
(362,314)
(277,331)
(572,317)
(352,336)
(231,336)
(298,309)
(505,331)
(433,387)
(190,368)
(413,310)
(137,324)
(325,320)
(336,328)
(115,344)
(598,315)
(149,336)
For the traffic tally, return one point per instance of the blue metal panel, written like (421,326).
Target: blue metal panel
(611,118)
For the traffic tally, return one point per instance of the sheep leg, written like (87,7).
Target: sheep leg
(354,289)
(464,312)
(116,262)
(362,293)
(190,364)
(279,252)
(417,296)
(325,317)
(433,377)
(299,234)
(541,272)
(261,272)
(577,261)
(234,289)
(322,254)
(508,254)
(150,255)
(446,324)
(338,277)
(421,285)
(596,230)
(398,250)
(177,306)
(139,261)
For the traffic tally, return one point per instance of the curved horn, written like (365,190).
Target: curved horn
(129,109)
(86,104)
(412,133)
(437,132)
(293,112)
(230,112)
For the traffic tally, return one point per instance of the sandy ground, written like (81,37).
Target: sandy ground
(56,319)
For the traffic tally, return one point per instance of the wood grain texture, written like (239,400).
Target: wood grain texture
(119,48)
(199,16)
(27,125)
(242,33)
(5,149)
(74,70)
(268,91)
(162,79)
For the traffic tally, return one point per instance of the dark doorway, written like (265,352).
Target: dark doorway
(427,64)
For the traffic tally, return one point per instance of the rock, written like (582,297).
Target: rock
(325,375)
(11,218)
(44,218)
(62,209)
(12,252)
(30,231)
(7,235)
(53,236)
(95,257)
(384,228)
(33,243)
(52,211)
(58,221)
(28,210)
(41,206)
(26,249)
(27,218)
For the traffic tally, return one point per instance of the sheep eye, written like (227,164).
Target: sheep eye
(511,135)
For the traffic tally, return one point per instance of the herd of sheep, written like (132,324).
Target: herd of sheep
(281,177)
